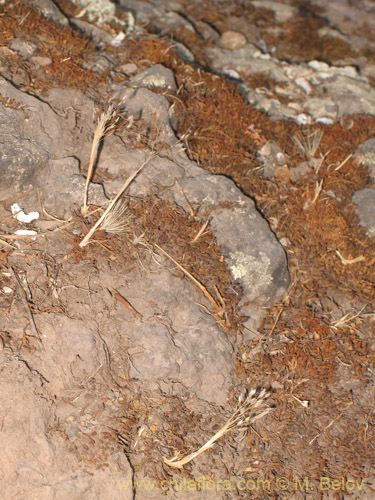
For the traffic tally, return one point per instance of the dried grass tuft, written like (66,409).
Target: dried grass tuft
(113,202)
(251,407)
(106,125)
(118,219)
(308,144)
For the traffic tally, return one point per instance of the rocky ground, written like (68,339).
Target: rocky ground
(239,137)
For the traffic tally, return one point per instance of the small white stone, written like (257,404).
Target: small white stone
(303,119)
(304,84)
(325,120)
(21,216)
(25,232)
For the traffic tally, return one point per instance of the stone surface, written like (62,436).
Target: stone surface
(36,460)
(157,76)
(333,91)
(98,35)
(232,40)
(366,153)
(50,10)
(253,254)
(365,201)
(283,12)
(192,350)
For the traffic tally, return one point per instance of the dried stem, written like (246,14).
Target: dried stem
(245,414)
(112,203)
(106,124)
(25,302)
(198,283)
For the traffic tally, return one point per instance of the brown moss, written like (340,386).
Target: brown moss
(66,48)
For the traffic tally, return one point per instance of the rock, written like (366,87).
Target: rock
(24,48)
(157,76)
(62,185)
(98,35)
(193,351)
(365,201)
(283,12)
(128,69)
(231,40)
(50,10)
(36,459)
(367,153)
(40,61)
(254,256)
(100,11)
(33,120)
(325,92)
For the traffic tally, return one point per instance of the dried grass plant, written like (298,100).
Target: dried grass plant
(251,407)
(113,202)
(118,219)
(308,144)
(106,125)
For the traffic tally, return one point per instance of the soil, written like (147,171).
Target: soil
(76,321)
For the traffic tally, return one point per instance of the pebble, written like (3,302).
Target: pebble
(232,40)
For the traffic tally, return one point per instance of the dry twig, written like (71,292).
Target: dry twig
(25,302)
(106,125)
(113,202)
(250,409)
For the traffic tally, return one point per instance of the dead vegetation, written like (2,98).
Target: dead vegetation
(314,347)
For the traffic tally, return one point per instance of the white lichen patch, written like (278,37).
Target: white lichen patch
(249,269)
(208,200)
(100,11)
(156,81)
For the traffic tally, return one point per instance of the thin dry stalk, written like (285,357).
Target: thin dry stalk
(347,262)
(198,283)
(249,410)
(309,144)
(26,303)
(106,125)
(343,162)
(200,232)
(318,188)
(347,319)
(3,242)
(325,428)
(86,239)
(322,161)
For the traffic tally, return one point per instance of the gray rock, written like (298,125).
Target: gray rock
(98,35)
(192,350)
(100,11)
(365,201)
(323,91)
(38,461)
(232,40)
(62,185)
(50,10)
(40,61)
(367,151)
(20,160)
(34,119)
(157,76)
(283,12)
(253,254)
(24,48)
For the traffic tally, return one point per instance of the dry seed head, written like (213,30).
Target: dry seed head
(308,144)
(117,220)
